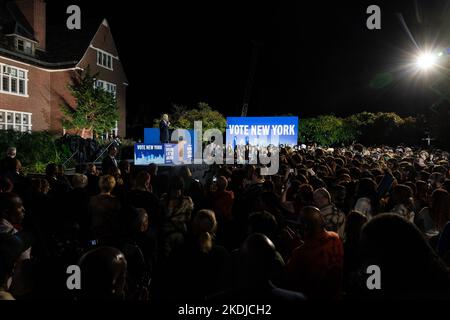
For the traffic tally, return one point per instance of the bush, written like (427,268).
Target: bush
(35,150)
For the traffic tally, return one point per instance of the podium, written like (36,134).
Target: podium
(169,154)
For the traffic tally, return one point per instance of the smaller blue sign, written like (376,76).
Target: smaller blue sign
(162,154)
(144,154)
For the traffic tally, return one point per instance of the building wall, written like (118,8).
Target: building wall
(47,89)
(103,40)
(38,100)
(60,94)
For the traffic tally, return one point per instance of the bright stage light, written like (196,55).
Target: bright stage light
(426,61)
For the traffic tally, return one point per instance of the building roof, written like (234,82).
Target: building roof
(70,45)
(64,47)
(12,21)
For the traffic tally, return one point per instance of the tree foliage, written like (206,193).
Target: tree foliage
(35,149)
(325,130)
(96,109)
(183,117)
(365,127)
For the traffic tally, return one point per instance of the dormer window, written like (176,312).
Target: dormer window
(25,46)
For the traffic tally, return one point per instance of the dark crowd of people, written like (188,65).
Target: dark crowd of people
(156,234)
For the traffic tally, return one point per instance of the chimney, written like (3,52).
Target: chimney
(35,13)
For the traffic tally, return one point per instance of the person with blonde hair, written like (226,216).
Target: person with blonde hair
(106,184)
(104,210)
(79,181)
(204,226)
(204,263)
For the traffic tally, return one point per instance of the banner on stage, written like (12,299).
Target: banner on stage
(262,131)
(162,154)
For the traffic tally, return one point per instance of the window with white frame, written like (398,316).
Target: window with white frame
(107,86)
(104,59)
(15,120)
(115,130)
(13,80)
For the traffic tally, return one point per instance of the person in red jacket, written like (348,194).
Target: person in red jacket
(315,267)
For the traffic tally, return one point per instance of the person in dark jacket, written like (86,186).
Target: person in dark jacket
(164,129)
(109,162)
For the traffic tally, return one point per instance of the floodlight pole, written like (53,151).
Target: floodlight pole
(250,78)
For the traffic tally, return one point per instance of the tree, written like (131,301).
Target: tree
(96,109)
(183,117)
(325,130)
(365,127)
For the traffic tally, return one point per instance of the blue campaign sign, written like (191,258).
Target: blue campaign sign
(180,153)
(162,154)
(151,136)
(144,154)
(262,131)
(169,153)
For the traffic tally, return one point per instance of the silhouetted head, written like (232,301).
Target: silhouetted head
(153,169)
(422,189)
(353,225)
(106,183)
(91,169)
(440,207)
(176,187)
(142,181)
(138,220)
(249,171)
(5,185)
(103,274)
(79,181)
(321,198)
(407,262)
(258,258)
(402,194)
(311,222)
(304,196)
(11,208)
(11,152)
(112,151)
(204,227)
(124,167)
(222,183)
(366,188)
(185,172)
(263,222)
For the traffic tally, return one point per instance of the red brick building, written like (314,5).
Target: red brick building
(37,64)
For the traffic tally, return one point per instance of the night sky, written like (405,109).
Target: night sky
(315,58)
